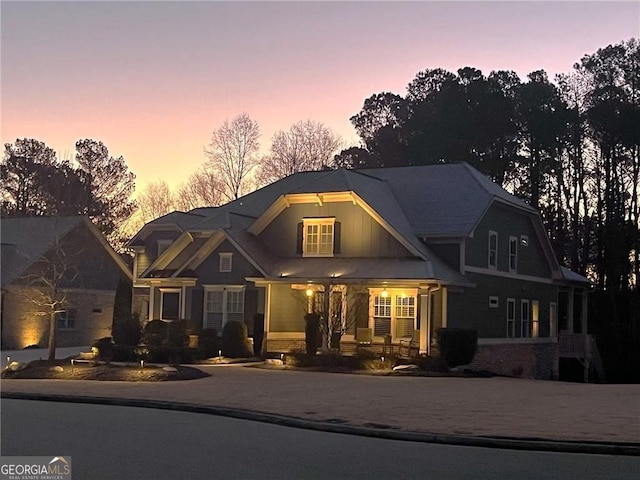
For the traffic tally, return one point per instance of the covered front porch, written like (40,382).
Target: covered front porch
(383,316)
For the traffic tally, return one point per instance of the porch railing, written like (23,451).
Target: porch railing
(574,345)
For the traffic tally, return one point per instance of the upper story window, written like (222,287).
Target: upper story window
(226,262)
(66,319)
(318,237)
(163,244)
(513,254)
(493,250)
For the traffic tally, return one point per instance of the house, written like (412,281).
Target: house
(69,253)
(393,250)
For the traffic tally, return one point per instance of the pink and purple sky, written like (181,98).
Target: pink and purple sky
(152,80)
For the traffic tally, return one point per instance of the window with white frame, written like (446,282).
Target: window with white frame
(511,317)
(513,254)
(405,315)
(222,304)
(318,237)
(170,303)
(525,319)
(381,315)
(163,244)
(226,261)
(66,319)
(493,250)
(535,318)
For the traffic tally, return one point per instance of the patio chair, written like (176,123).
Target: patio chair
(410,347)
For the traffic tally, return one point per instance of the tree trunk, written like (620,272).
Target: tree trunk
(52,336)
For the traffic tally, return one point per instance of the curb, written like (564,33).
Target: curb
(531,444)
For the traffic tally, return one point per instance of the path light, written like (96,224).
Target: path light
(8,360)
(382,358)
(72,362)
(219,353)
(282,358)
(141,365)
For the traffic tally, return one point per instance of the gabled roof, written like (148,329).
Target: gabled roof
(25,240)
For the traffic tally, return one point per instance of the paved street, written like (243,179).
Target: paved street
(115,442)
(462,406)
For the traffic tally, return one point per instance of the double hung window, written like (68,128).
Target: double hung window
(318,237)
(222,304)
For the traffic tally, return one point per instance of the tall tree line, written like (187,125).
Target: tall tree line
(569,147)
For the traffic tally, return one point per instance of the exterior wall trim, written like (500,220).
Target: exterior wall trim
(514,276)
(516,341)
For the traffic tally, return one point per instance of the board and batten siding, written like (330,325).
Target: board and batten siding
(360,234)
(507,222)
(287,309)
(469,308)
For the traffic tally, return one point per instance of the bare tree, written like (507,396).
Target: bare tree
(155,201)
(306,146)
(203,189)
(233,152)
(43,285)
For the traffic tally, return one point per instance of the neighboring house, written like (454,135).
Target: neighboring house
(392,250)
(31,249)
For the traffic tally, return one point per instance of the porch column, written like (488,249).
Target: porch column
(151,302)
(570,309)
(583,311)
(267,308)
(425,321)
(444,307)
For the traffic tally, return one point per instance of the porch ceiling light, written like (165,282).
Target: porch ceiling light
(309,292)
(384,293)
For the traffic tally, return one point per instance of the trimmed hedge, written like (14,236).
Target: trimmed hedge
(235,341)
(457,346)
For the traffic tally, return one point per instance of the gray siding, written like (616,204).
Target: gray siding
(208,272)
(507,222)
(449,252)
(287,309)
(361,235)
(470,309)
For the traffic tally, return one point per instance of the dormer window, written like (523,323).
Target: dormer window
(318,237)
(226,262)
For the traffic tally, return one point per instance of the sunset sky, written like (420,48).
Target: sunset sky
(153,79)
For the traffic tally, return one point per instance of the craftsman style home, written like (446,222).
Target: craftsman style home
(65,254)
(391,254)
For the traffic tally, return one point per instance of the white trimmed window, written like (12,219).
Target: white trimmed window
(493,250)
(405,315)
(525,318)
(381,315)
(226,261)
(170,303)
(511,317)
(535,318)
(66,319)
(513,254)
(318,237)
(222,304)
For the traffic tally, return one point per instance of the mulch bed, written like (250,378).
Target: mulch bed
(42,369)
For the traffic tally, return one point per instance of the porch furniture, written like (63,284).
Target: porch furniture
(407,346)
(364,337)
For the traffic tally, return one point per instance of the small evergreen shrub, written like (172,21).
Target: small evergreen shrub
(125,353)
(105,349)
(311,332)
(457,345)
(235,342)
(258,333)
(208,343)
(155,333)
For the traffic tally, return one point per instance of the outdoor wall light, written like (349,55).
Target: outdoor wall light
(309,292)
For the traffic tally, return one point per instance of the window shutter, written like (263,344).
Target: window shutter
(299,238)
(336,237)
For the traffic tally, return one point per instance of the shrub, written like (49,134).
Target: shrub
(127,330)
(177,334)
(311,331)
(258,333)
(208,343)
(105,349)
(125,353)
(235,340)
(457,345)
(155,333)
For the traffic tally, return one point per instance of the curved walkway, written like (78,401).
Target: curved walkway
(506,412)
